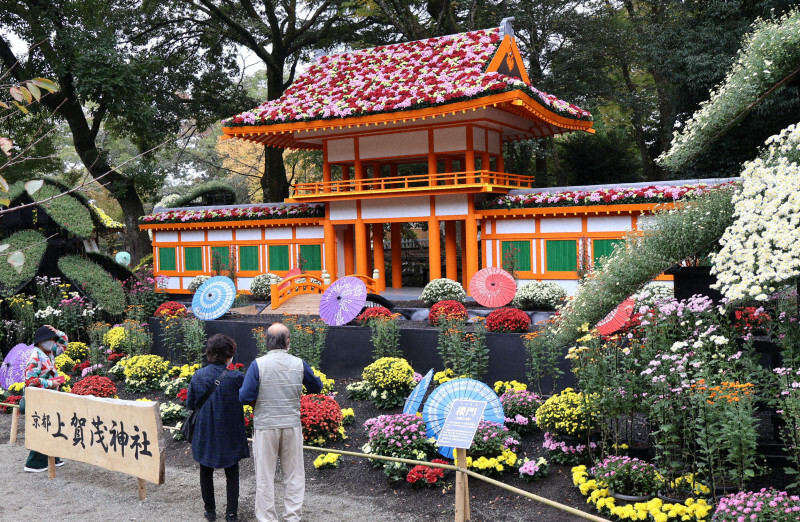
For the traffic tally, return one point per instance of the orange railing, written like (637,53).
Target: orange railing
(370,283)
(294,286)
(416,181)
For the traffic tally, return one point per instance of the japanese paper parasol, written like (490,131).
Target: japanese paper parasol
(13,369)
(417,394)
(213,298)
(291,273)
(342,301)
(492,287)
(439,402)
(617,318)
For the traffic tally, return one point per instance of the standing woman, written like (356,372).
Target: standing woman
(219,439)
(41,373)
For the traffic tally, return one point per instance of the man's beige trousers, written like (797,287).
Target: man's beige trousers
(268,447)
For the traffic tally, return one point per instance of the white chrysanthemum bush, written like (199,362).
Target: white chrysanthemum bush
(197,282)
(761,250)
(539,295)
(443,290)
(260,286)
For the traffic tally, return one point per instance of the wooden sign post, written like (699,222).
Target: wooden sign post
(114,434)
(458,431)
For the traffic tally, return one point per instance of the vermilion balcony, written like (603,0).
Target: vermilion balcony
(448,182)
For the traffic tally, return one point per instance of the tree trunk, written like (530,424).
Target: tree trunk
(648,166)
(121,188)
(274,184)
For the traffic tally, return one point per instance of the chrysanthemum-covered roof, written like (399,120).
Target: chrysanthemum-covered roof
(407,76)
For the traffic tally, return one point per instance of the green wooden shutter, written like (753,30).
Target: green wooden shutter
(278,257)
(166,258)
(603,248)
(248,258)
(313,256)
(222,253)
(562,255)
(522,257)
(193,259)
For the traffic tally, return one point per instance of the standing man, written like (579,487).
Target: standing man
(275,382)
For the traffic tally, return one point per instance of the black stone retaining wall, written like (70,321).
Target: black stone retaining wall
(349,349)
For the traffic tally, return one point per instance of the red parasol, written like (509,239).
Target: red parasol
(492,287)
(291,273)
(342,301)
(617,318)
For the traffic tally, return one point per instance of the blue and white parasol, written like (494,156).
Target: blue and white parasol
(213,298)
(417,394)
(439,402)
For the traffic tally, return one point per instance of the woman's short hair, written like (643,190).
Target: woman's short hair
(220,348)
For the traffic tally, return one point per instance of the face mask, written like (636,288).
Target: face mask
(47,345)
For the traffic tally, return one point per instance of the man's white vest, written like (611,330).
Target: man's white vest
(280,386)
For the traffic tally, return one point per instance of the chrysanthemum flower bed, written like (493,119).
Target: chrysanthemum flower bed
(508,320)
(402,435)
(451,310)
(321,417)
(96,385)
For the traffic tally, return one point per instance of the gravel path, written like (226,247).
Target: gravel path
(81,492)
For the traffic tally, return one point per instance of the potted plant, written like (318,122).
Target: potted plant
(628,479)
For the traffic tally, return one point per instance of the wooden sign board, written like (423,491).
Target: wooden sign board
(113,434)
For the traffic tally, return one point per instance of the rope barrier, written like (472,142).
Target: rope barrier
(502,485)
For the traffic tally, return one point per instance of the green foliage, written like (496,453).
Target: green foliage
(769,56)
(307,340)
(463,353)
(109,264)
(65,210)
(385,337)
(206,194)
(95,282)
(33,245)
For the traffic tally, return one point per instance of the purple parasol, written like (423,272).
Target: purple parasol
(13,369)
(342,301)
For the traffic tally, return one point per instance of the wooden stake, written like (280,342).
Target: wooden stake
(462,488)
(51,467)
(142,489)
(14,426)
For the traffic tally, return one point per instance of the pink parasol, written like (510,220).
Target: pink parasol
(617,318)
(13,369)
(492,287)
(342,301)
(291,273)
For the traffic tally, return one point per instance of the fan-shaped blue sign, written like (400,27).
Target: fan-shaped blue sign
(439,402)
(213,298)
(417,394)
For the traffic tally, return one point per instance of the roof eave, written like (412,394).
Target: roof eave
(282,134)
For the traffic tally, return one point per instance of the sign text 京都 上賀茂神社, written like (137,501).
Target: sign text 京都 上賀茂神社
(114,434)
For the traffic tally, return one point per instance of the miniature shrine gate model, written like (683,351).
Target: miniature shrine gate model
(400,144)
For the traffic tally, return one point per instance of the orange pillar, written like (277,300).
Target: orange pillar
(431,160)
(464,280)
(434,248)
(471,251)
(500,164)
(397,255)
(380,260)
(448,168)
(330,249)
(450,250)
(469,160)
(349,251)
(362,265)
(359,167)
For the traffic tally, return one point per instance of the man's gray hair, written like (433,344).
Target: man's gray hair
(278,341)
